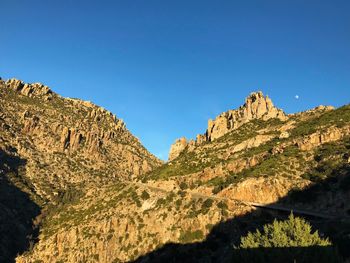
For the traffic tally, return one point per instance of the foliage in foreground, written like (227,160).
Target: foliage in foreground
(286,241)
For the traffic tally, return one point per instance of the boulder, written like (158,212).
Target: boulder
(284,135)
(15,84)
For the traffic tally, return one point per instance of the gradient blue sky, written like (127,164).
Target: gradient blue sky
(166,67)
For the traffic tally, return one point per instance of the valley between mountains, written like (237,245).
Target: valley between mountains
(77,186)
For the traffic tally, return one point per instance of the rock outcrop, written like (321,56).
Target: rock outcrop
(257,106)
(30,90)
(321,137)
(177,148)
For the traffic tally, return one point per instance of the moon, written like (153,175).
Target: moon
(296,97)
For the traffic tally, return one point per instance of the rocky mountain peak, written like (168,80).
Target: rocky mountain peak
(256,106)
(177,148)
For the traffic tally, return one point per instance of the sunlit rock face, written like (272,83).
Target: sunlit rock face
(256,106)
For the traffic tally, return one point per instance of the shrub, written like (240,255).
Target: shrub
(145,195)
(182,193)
(183,186)
(293,232)
(222,205)
(189,236)
(290,241)
(160,202)
(178,202)
(207,203)
(135,198)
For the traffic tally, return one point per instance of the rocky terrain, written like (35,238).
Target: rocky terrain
(63,146)
(67,141)
(86,190)
(256,106)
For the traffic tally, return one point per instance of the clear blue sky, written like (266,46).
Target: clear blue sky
(166,67)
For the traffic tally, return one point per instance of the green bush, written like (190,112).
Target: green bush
(145,195)
(178,202)
(207,203)
(286,241)
(189,236)
(293,232)
(183,186)
(222,205)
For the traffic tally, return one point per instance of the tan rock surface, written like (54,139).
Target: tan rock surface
(257,106)
(66,140)
(177,148)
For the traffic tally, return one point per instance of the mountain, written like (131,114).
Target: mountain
(256,107)
(262,159)
(77,186)
(60,147)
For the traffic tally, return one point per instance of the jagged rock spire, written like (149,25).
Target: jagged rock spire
(256,106)
(177,148)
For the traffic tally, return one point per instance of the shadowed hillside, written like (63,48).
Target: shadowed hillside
(53,151)
(17,211)
(218,246)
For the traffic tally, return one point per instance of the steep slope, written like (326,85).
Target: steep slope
(196,202)
(52,151)
(17,210)
(67,141)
